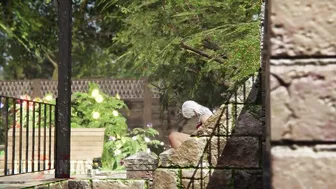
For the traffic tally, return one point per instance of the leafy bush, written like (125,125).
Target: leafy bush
(95,109)
(98,110)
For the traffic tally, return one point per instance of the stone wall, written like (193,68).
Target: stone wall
(90,184)
(301,60)
(226,153)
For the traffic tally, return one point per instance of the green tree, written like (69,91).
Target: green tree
(29,40)
(194,49)
(191,49)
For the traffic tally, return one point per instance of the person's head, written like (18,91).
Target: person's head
(191,108)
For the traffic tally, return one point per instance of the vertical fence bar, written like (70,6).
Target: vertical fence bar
(13,126)
(20,139)
(27,134)
(244,91)
(50,125)
(6,136)
(39,139)
(235,108)
(1,120)
(2,125)
(55,133)
(45,137)
(33,138)
(227,119)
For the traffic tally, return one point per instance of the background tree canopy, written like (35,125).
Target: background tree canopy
(189,49)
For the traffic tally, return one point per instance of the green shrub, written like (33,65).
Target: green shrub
(98,110)
(94,109)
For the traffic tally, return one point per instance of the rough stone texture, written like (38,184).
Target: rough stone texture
(221,123)
(195,173)
(215,149)
(251,179)
(119,184)
(164,158)
(303,28)
(249,121)
(187,155)
(140,174)
(142,161)
(194,184)
(213,180)
(220,178)
(304,105)
(303,168)
(79,184)
(166,179)
(280,113)
(242,152)
(59,185)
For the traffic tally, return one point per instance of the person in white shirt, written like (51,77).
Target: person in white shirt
(189,109)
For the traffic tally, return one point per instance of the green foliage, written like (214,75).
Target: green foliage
(118,148)
(98,110)
(93,109)
(195,49)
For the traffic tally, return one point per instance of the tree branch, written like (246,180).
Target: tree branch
(51,60)
(55,72)
(199,52)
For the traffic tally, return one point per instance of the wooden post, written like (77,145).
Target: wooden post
(37,90)
(63,130)
(147,99)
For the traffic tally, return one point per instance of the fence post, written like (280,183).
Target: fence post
(37,91)
(63,129)
(147,100)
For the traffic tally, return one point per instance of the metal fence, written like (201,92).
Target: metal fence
(28,135)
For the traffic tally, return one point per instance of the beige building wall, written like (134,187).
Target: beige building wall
(301,66)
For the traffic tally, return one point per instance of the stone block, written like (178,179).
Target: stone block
(303,167)
(217,178)
(242,152)
(195,173)
(79,184)
(59,185)
(194,184)
(139,174)
(222,122)
(251,179)
(142,161)
(166,179)
(249,121)
(119,184)
(215,148)
(304,106)
(220,178)
(188,154)
(303,28)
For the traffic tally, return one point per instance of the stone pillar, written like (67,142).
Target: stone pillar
(302,66)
